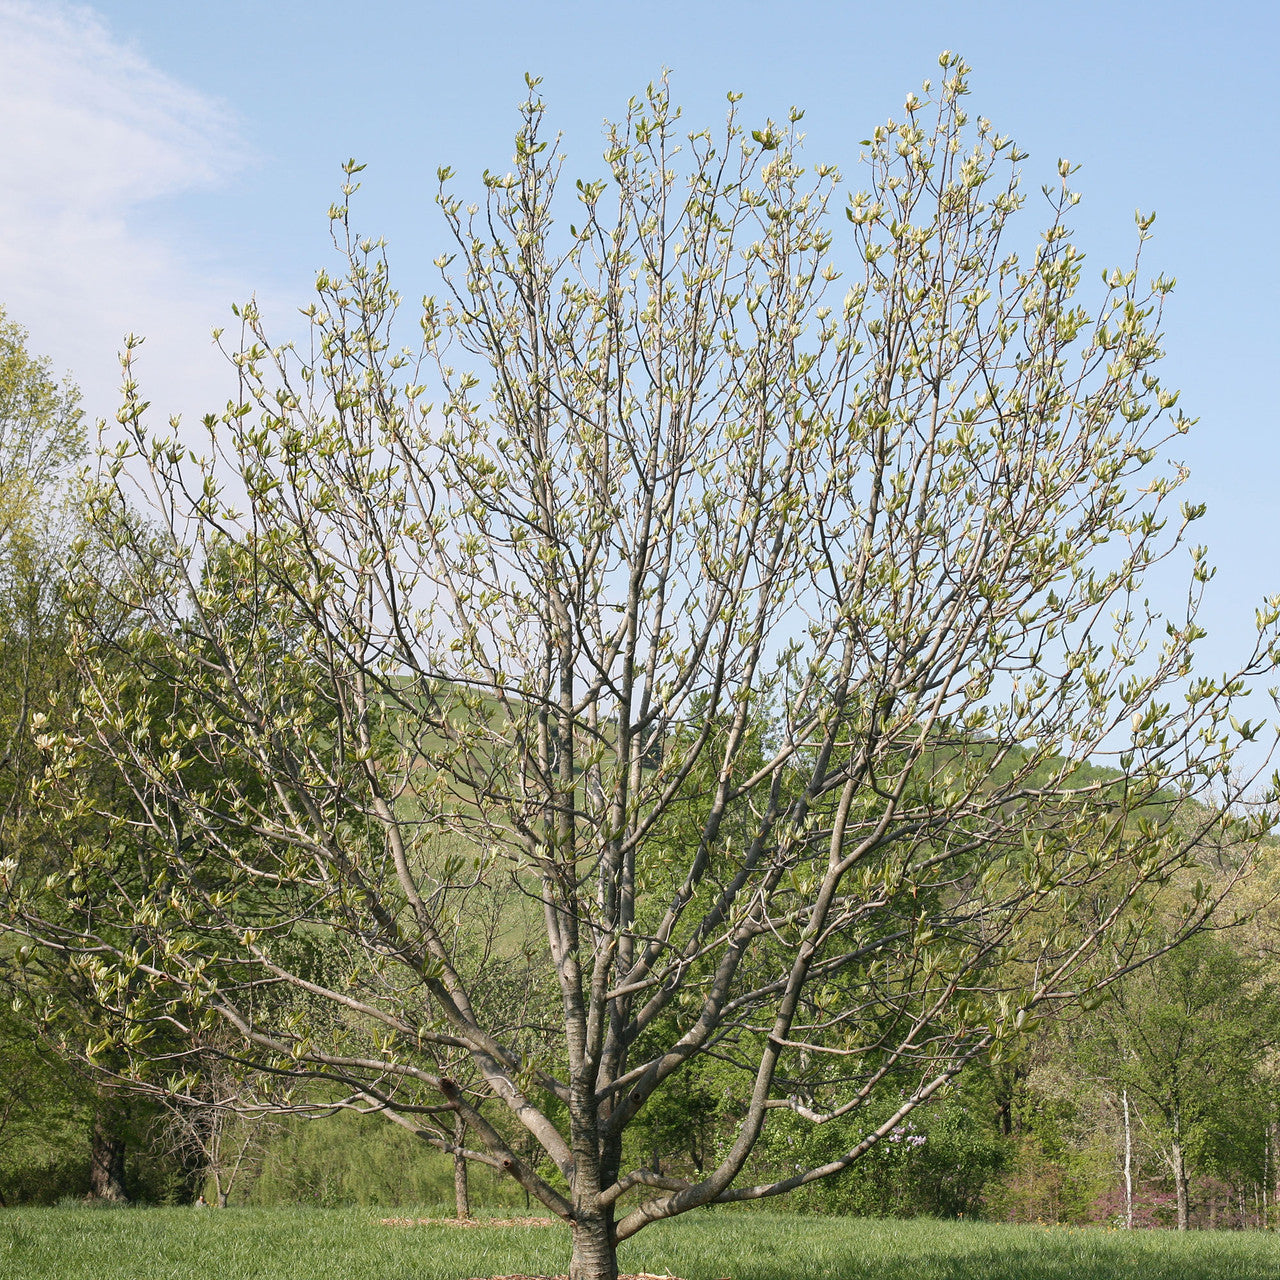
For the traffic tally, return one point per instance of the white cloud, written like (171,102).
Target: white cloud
(90,133)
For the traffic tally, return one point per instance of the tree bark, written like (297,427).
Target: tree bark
(595,1252)
(106,1158)
(1180,1184)
(1128,1166)
(461,1192)
(1274,1144)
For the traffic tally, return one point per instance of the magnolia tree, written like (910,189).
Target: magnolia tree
(702,648)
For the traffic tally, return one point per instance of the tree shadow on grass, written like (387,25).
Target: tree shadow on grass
(1087,1255)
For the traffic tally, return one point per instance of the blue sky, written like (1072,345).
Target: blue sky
(163,159)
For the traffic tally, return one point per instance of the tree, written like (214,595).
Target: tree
(1186,1038)
(43,1133)
(220,1127)
(750,626)
(42,439)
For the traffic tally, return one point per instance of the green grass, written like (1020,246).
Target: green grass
(350,1244)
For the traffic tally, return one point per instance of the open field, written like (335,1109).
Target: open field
(351,1244)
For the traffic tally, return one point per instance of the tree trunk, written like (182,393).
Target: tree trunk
(220,1191)
(1128,1166)
(106,1157)
(1274,1130)
(461,1192)
(595,1253)
(1180,1184)
(1266,1173)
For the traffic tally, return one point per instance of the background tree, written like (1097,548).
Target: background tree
(222,1125)
(44,1118)
(1188,1037)
(64,1130)
(42,439)
(748,623)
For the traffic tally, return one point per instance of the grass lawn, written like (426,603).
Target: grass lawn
(350,1244)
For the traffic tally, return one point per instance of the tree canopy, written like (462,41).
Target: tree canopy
(688,656)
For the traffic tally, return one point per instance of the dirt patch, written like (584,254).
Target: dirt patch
(467,1222)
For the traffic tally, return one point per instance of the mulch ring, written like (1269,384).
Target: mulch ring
(467,1222)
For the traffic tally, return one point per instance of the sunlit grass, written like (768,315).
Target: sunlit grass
(351,1244)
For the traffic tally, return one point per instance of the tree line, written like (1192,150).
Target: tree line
(687,731)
